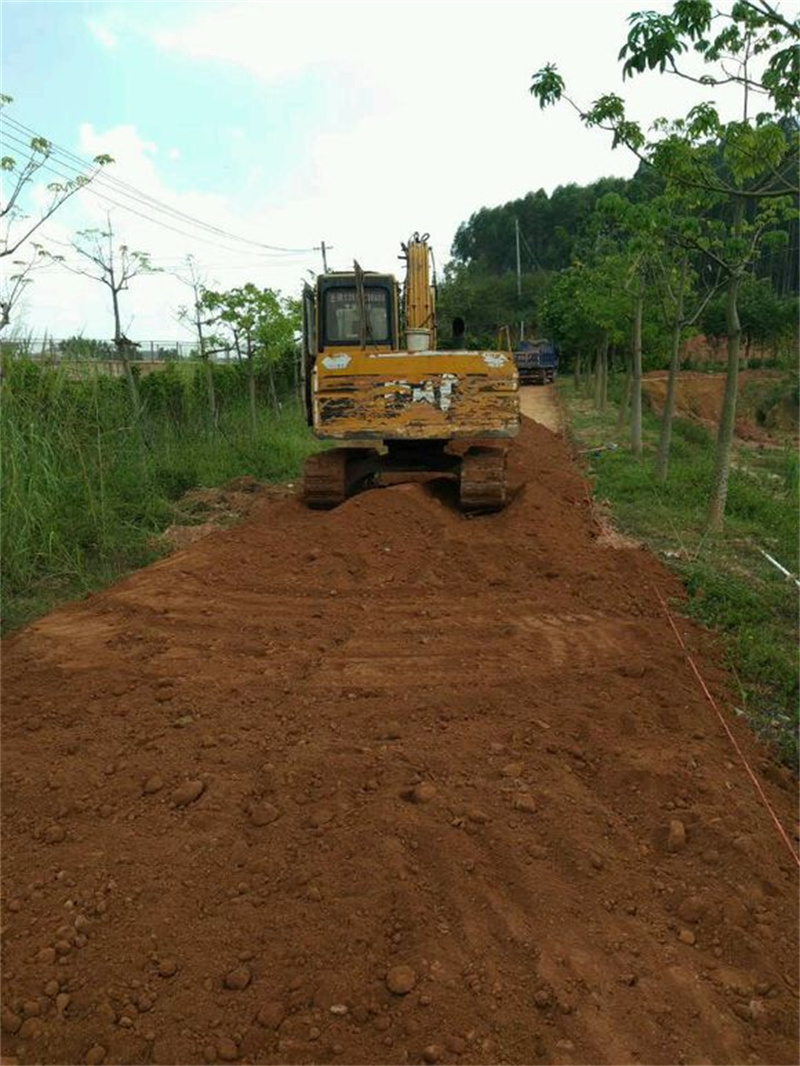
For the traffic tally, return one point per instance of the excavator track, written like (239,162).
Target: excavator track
(325,485)
(484,479)
(332,476)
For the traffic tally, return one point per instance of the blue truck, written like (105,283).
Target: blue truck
(537,362)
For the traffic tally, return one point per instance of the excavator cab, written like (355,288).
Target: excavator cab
(374,379)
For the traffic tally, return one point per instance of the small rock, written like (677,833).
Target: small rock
(153,784)
(313,893)
(676,838)
(9,1021)
(188,792)
(54,834)
(628,979)
(96,1055)
(432,1053)
(63,1000)
(456,1044)
(692,909)
(320,817)
(227,1049)
(512,769)
(686,936)
(400,980)
(238,979)
(597,862)
(423,792)
(167,968)
(565,1045)
(51,989)
(264,814)
(46,955)
(477,816)
(271,1014)
(542,998)
(525,803)
(339,1008)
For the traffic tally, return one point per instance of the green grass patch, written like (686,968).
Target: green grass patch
(732,587)
(87,487)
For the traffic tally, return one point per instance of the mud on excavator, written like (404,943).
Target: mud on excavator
(373,378)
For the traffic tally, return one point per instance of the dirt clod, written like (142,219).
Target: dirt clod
(676,839)
(187,793)
(239,978)
(400,980)
(271,1014)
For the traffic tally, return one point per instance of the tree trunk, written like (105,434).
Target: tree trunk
(273,391)
(604,373)
(577,373)
(598,376)
(722,457)
(636,396)
(665,438)
(624,403)
(120,345)
(251,384)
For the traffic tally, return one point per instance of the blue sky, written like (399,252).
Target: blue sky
(291,122)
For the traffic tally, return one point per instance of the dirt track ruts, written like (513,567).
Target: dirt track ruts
(243,787)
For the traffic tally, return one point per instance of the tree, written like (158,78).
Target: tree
(193,316)
(114,267)
(16,227)
(744,170)
(260,325)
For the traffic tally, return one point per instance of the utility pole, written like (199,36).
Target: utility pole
(324,248)
(519,281)
(519,269)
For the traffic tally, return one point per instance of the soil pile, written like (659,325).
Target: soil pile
(699,396)
(388,784)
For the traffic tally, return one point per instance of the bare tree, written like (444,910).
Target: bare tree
(196,281)
(115,267)
(16,227)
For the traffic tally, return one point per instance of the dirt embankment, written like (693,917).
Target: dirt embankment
(389,785)
(699,396)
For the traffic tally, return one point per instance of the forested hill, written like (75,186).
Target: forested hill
(578,228)
(549,226)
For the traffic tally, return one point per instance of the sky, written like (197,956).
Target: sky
(288,124)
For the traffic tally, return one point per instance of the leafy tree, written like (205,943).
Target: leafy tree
(258,324)
(744,170)
(17,227)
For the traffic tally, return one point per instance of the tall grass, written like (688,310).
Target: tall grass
(85,486)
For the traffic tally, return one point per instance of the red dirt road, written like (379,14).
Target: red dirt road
(389,785)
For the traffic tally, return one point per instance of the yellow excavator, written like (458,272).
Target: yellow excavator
(375,380)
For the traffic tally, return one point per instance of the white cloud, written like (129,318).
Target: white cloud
(102,34)
(174,153)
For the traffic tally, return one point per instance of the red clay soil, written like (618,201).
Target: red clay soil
(389,785)
(699,396)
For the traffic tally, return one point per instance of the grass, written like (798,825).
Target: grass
(86,487)
(732,587)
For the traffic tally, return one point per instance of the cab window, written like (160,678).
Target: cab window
(341,316)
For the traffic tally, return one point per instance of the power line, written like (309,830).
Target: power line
(285,255)
(121,188)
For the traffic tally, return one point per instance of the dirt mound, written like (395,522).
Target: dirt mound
(388,784)
(699,396)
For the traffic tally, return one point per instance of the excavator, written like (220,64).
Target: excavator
(374,380)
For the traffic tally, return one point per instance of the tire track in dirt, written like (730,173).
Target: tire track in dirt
(469,747)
